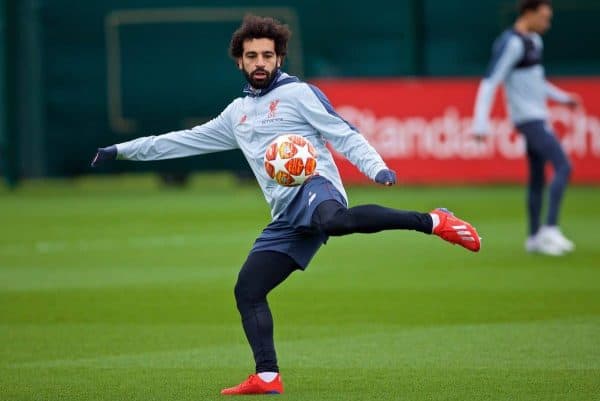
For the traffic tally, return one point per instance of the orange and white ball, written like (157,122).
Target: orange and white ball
(290,160)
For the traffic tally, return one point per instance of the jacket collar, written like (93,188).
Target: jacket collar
(281,78)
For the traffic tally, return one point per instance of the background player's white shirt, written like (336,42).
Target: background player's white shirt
(252,122)
(516,62)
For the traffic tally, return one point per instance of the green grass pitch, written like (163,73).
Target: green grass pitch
(117,289)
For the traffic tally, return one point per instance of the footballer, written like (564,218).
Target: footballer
(304,216)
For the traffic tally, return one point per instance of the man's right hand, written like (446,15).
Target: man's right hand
(104,154)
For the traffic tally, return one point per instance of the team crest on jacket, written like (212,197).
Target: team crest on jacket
(273,108)
(243,119)
(272,115)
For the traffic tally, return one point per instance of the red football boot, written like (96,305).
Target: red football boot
(456,231)
(255,385)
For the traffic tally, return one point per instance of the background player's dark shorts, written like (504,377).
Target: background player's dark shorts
(291,233)
(542,144)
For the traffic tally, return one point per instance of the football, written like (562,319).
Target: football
(290,160)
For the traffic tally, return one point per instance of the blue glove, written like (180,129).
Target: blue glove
(104,154)
(386,177)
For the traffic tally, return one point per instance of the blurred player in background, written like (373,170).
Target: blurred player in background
(517,63)
(303,217)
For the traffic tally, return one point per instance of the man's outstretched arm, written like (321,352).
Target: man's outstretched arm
(213,136)
(318,111)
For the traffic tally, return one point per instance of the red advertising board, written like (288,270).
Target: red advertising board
(422,130)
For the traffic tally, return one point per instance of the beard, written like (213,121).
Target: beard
(260,83)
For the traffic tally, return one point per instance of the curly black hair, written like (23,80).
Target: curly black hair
(526,5)
(255,27)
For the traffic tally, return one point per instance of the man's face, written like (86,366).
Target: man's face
(540,19)
(259,62)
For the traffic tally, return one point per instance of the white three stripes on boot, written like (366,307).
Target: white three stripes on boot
(464,234)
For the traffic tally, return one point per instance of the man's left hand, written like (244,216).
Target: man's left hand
(575,101)
(386,177)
